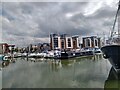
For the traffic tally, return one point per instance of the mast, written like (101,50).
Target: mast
(115,21)
(119,20)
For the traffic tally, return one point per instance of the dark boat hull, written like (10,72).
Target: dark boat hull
(113,80)
(112,53)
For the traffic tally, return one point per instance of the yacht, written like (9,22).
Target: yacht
(111,51)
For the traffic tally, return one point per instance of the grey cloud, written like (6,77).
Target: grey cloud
(32,22)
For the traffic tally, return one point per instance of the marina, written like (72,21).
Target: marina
(60,45)
(42,73)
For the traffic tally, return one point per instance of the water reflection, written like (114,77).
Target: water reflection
(6,63)
(113,80)
(47,73)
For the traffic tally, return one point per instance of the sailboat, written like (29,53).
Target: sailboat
(112,50)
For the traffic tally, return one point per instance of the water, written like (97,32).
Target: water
(72,73)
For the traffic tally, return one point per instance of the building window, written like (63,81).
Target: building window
(55,42)
(96,43)
(69,42)
(74,44)
(62,44)
(88,42)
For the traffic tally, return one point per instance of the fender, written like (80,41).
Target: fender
(105,56)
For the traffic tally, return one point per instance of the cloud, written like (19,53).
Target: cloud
(32,22)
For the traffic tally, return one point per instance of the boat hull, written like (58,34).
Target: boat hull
(1,57)
(112,53)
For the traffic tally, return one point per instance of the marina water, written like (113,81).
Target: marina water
(87,72)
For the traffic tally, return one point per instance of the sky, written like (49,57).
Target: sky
(25,23)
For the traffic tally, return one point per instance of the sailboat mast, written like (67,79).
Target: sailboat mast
(118,26)
(115,21)
(119,21)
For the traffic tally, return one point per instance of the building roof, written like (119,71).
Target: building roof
(11,45)
(91,37)
(3,44)
(75,36)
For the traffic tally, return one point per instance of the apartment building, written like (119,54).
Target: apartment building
(63,41)
(92,41)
